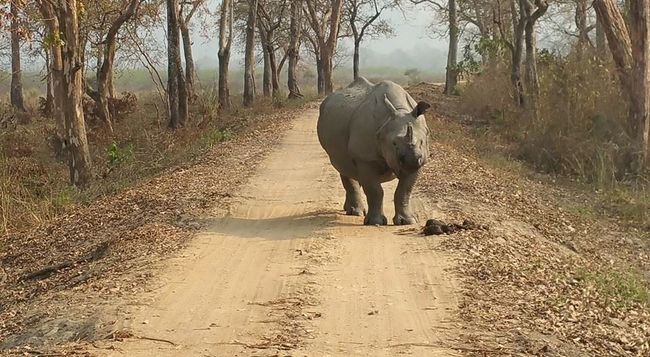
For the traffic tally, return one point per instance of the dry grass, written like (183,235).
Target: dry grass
(34,184)
(579,133)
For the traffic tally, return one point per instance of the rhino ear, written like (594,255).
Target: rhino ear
(389,105)
(421,108)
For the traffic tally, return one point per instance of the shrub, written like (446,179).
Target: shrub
(579,131)
(118,155)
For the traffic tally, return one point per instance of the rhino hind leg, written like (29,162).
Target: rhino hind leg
(353,205)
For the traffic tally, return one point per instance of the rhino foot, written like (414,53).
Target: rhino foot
(404,220)
(375,220)
(355,211)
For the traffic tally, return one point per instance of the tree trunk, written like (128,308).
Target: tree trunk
(639,20)
(105,71)
(532,79)
(225,39)
(183,95)
(17,99)
(49,94)
(102,91)
(249,60)
(173,56)
(275,83)
(355,59)
(519,25)
(266,78)
(190,72)
(581,25)
(327,66)
(601,41)
(224,89)
(320,76)
(72,92)
(629,48)
(294,50)
(451,79)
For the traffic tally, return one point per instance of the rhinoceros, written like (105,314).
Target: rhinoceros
(374,133)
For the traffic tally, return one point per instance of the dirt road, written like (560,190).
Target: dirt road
(285,273)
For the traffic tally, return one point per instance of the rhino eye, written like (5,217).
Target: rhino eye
(394,143)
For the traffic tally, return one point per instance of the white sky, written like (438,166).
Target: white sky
(410,31)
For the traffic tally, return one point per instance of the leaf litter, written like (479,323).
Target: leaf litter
(542,280)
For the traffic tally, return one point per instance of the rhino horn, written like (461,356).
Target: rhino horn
(389,105)
(420,108)
(409,133)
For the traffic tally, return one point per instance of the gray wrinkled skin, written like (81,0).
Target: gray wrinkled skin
(374,133)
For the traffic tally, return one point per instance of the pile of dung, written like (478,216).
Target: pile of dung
(436,227)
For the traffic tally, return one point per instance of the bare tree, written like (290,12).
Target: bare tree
(249,60)
(325,22)
(176,88)
(451,77)
(184,20)
(631,53)
(293,51)
(270,18)
(451,73)
(17,99)
(225,42)
(362,16)
(582,27)
(61,18)
(532,14)
(106,61)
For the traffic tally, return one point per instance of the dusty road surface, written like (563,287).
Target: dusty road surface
(285,273)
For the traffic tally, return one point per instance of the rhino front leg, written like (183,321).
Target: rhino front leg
(375,195)
(369,180)
(403,213)
(353,205)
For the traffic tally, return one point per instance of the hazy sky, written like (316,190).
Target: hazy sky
(410,32)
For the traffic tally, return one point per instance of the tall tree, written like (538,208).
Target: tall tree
(225,42)
(270,18)
(533,13)
(17,99)
(451,72)
(106,60)
(517,49)
(362,17)
(185,17)
(176,89)
(630,50)
(293,52)
(249,60)
(325,22)
(582,27)
(451,76)
(62,20)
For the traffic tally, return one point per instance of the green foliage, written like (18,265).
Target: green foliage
(118,155)
(216,136)
(468,64)
(621,288)
(63,198)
